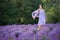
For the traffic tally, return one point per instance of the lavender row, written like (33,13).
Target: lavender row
(30,32)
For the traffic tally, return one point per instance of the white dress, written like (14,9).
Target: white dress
(42,16)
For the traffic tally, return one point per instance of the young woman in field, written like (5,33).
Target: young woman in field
(41,16)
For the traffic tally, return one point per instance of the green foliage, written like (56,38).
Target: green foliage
(19,11)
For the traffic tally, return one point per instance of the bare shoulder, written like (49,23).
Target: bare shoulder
(43,10)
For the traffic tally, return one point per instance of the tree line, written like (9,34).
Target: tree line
(19,11)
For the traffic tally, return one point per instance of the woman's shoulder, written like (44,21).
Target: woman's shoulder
(43,10)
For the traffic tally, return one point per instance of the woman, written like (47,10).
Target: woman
(42,16)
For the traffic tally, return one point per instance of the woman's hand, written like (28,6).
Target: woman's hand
(37,16)
(33,17)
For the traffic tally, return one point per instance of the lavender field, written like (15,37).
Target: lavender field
(29,32)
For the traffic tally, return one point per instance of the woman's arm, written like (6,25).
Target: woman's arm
(38,12)
(34,14)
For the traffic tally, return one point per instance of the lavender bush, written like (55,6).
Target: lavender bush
(30,32)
